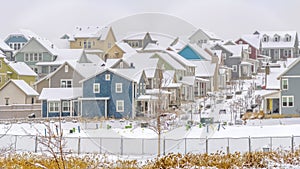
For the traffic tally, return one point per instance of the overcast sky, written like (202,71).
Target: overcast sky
(226,18)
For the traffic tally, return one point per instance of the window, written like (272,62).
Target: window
(284,84)
(234,67)
(265,38)
(40,57)
(250,49)
(79,43)
(54,106)
(26,58)
(240,42)
(107,77)
(85,44)
(66,83)
(96,87)
(109,45)
(66,68)
(287,38)
(287,101)
(89,45)
(276,38)
(65,106)
(118,87)
(31,57)
(120,105)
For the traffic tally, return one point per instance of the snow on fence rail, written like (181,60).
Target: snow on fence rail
(148,147)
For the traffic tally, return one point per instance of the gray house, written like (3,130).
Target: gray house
(289,89)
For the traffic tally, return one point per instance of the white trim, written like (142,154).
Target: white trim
(287,101)
(293,76)
(107,77)
(121,102)
(119,86)
(287,84)
(94,86)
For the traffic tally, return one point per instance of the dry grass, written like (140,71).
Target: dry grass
(279,116)
(215,160)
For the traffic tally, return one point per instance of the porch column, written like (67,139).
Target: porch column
(105,108)
(71,108)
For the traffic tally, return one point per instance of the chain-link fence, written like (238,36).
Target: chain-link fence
(148,146)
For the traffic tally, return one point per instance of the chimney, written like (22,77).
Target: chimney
(131,65)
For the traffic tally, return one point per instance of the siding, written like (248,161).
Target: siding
(189,54)
(293,90)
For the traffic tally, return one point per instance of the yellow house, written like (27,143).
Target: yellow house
(15,70)
(118,50)
(94,40)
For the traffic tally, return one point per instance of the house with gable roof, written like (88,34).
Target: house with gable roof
(203,37)
(279,45)
(236,57)
(15,70)
(94,39)
(36,50)
(289,89)
(67,75)
(17,92)
(118,50)
(111,93)
(139,40)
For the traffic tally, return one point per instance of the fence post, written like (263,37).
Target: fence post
(249,141)
(271,143)
(122,145)
(227,149)
(164,146)
(206,145)
(100,145)
(184,145)
(142,146)
(16,138)
(78,145)
(292,144)
(36,144)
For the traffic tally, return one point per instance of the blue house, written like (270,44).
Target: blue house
(289,89)
(112,93)
(17,40)
(60,102)
(194,52)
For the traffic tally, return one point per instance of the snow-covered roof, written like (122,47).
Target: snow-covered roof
(204,68)
(90,32)
(26,33)
(163,40)
(252,40)
(22,68)
(188,80)
(4,46)
(169,59)
(22,85)
(236,50)
(200,51)
(2,54)
(57,94)
(282,43)
(210,35)
(272,81)
(291,65)
(45,43)
(125,47)
(64,55)
(180,59)
(131,73)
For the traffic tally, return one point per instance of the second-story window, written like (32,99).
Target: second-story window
(96,88)
(285,84)
(66,83)
(118,87)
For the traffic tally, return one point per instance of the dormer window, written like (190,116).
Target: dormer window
(265,38)
(287,38)
(276,38)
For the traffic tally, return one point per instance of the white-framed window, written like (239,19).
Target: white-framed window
(66,106)
(66,83)
(240,42)
(54,106)
(40,56)
(120,105)
(276,38)
(89,45)
(96,87)
(66,68)
(35,58)
(119,87)
(107,77)
(265,38)
(287,38)
(234,67)
(249,49)
(285,84)
(287,101)
(26,57)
